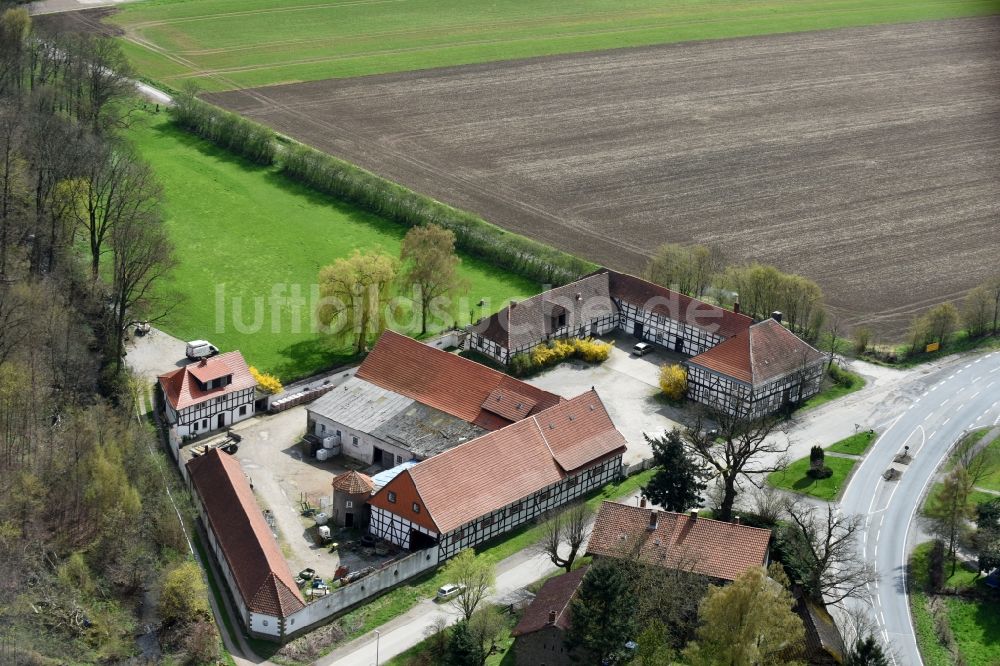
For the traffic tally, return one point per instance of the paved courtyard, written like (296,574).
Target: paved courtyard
(628,386)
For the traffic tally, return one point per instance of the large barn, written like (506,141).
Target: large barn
(737,366)
(488,486)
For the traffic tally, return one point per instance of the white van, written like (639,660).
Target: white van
(200,349)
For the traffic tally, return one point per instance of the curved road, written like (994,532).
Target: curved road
(955,399)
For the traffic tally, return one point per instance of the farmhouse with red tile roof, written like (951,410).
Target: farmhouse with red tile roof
(241,541)
(678,541)
(410,401)
(485,487)
(208,394)
(758,370)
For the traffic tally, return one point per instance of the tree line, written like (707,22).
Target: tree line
(85,524)
(342,180)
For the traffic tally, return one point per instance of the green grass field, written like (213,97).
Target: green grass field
(226,44)
(854,445)
(794,478)
(244,229)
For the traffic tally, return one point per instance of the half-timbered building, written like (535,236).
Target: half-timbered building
(484,488)
(757,372)
(410,401)
(208,394)
(787,370)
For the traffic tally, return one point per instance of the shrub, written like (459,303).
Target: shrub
(817,457)
(841,377)
(267,382)
(183,596)
(520,364)
(862,338)
(474,235)
(227,130)
(673,381)
(590,350)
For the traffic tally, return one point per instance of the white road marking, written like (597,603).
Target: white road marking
(925,394)
(946,421)
(974,395)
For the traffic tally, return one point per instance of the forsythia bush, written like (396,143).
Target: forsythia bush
(557,351)
(673,381)
(269,383)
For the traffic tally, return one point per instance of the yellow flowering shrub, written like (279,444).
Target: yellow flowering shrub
(673,381)
(267,382)
(591,350)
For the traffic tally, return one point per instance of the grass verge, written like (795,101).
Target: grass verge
(225,44)
(253,243)
(854,445)
(795,479)
(216,593)
(847,383)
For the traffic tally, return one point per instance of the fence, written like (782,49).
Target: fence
(363,589)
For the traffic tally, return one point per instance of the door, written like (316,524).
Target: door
(348,520)
(593,329)
(222,421)
(377,456)
(679,344)
(637,330)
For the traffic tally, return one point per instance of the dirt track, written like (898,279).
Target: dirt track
(868,159)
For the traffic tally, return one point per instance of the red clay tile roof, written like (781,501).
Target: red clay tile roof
(181,389)
(679,307)
(261,573)
(208,369)
(529,320)
(509,404)
(701,545)
(353,483)
(762,353)
(501,467)
(444,381)
(554,595)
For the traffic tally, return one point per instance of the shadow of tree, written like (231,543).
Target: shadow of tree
(308,357)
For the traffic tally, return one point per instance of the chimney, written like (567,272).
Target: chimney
(694,514)
(552,617)
(513,302)
(203,362)
(776,316)
(652,521)
(736,307)
(736,520)
(642,502)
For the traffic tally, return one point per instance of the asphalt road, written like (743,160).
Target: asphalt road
(954,400)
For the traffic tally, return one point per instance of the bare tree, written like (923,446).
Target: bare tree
(747,450)
(570,525)
(823,552)
(832,338)
(142,255)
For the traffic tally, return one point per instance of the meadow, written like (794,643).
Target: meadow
(232,44)
(244,233)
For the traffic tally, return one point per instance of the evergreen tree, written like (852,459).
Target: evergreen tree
(678,482)
(866,652)
(603,615)
(463,649)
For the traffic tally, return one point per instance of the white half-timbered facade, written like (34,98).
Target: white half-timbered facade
(209,394)
(487,487)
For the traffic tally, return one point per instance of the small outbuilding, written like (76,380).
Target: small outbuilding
(351,491)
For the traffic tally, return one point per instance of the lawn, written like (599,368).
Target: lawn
(973,617)
(794,478)
(850,382)
(854,445)
(229,44)
(245,233)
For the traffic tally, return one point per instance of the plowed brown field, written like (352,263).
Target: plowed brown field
(867,158)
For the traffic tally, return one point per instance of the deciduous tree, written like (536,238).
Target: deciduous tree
(431,269)
(746,623)
(821,547)
(183,595)
(570,526)
(679,480)
(747,451)
(689,269)
(949,511)
(355,292)
(476,577)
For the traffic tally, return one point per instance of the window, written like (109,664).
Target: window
(196,426)
(348,504)
(416,508)
(322,428)
(572,481)
(338,433)
(486,522)
(265,623)
(354,440)
(243,410)
(204,424)
(392,497)
(399,460)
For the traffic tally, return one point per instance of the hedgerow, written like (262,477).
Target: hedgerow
(227,130)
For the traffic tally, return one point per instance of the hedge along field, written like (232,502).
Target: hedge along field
(231,44)
(249,228)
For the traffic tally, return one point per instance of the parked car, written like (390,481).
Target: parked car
(449,591)
(197,349)
(642,348)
